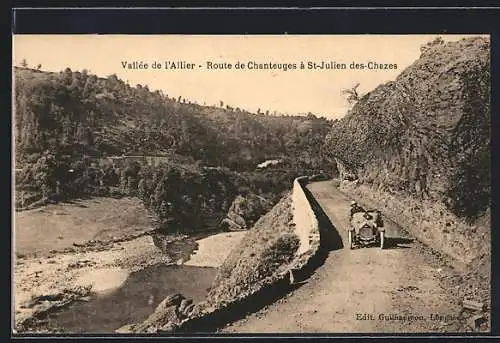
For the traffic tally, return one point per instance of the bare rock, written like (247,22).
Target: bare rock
(129,328)
(167,312)
(473,305)
(244,211)
(184,303)
(187,311)
(229,225)
(169,327)
(345,172)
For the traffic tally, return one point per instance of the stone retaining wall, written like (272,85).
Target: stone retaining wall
(307,259)
(306,223)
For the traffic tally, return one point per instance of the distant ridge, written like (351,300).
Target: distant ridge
(82,114)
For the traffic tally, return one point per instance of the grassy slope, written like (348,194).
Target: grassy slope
(265,250)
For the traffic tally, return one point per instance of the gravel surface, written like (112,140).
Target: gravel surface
(399,289)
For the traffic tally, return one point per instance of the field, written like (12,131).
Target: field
(58,227)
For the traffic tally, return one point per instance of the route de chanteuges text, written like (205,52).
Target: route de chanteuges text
(252,65)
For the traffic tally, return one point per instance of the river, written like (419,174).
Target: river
(134,300)
(138,294)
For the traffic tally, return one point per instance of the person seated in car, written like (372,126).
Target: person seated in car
(355,208)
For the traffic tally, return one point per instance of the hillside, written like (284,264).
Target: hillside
(427,134)
(78,135)
(264,252)
(82,113)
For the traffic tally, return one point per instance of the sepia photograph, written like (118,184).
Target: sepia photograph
(251,184)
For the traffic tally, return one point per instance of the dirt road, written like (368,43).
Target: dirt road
(363,290)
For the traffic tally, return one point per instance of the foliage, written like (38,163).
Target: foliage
(78,135)
(351,94)
(106,116)
(267,248)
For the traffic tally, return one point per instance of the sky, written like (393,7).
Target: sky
(292,91)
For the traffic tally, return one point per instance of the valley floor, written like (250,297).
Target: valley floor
(102,252)
(58,227)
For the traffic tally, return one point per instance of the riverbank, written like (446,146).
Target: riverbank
(108,257)
(212,251)
(40,283)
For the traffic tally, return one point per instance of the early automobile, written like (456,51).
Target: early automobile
(366,229)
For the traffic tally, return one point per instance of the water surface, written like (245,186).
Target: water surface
(135,300)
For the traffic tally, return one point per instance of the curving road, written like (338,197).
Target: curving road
(364,290)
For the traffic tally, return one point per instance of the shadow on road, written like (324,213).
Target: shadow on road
(401,240)
(330,237)
(330,240)
(395,243)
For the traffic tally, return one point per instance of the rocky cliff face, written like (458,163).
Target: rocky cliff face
(244,212)
(426,134)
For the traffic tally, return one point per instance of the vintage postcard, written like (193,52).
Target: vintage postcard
(251,184)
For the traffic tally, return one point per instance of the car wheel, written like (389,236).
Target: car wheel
(350,239)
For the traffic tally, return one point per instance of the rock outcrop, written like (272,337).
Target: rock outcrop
(426,134)
(167,315)
(344,172)
(39,307)
(244,212)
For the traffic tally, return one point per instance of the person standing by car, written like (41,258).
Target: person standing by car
(378,219)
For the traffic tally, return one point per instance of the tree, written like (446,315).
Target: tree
(123,182)
(352,95)
(24,64)
(142,192)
